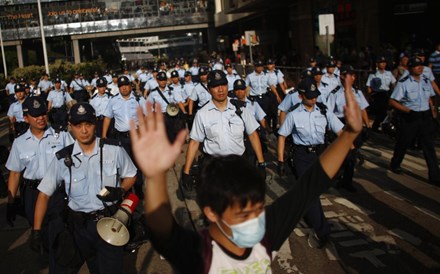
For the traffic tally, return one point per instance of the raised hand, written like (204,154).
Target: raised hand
(152,150)
(352,113)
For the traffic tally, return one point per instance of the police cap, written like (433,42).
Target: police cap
(317,71)
(228,65)
(330,63)
(19,88)
(101,82)
(381,59)
(347,69)
(123,81)
(306,74)
(259,63)
(270,61)
(34,106)
(174,74)
(414,62)
(188,73)
(161,76)
(239,84)
(203,71)
(308,88)
(217,78)
(114,75)
(82,112)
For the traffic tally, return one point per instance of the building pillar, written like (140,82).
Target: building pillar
(76,54)
(20,56)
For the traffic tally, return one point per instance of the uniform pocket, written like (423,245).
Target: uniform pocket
(79,185)
(213,131)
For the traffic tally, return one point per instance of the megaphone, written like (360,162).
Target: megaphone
(113,229)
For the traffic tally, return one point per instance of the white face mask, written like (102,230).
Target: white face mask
(248,233)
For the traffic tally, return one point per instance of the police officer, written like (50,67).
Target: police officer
(151,83)
(95,78)
(99,102)
(276,77)
(330,78)
(200,93)
(253,107)
(45,85)
(231,77)
(324,88)
(379,85)
(79,88)
(167,98)
(92,164)
(263,90)
(194,69)
(108,76)
(336,103)
(113,85)
(30,156)
(308,123)
(17,125)
(10,90)
(123,108)
(411,99)
(220,126)
(57,106)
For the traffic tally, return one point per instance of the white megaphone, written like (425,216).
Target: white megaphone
(113,229)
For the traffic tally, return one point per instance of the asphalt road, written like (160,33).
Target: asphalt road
(391,225)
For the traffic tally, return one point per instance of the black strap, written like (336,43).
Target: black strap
(161,95)
(79,84)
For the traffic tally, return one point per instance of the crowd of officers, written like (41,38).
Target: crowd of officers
(225,114)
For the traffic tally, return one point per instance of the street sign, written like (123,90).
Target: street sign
(326,21)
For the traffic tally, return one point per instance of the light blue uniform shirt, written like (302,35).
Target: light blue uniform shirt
(58,98)
(427,72)
(143,77)
(386,78)
(99,103)
(154,97)
(188,88)
(413,94)
(325,92)
(10,88)
(308,128)
(222,132)
(259,83)
(124,110)
(194,70)
(332,81)
(151,84)
(275,77)
(86,175)
(255,109)
(231,79)
(108,77)
(291,99)
(336,101)
(200,92)
(33,155)
(93,82)
(16,110)
(43,85)
(79,84)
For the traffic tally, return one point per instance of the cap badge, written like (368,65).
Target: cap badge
(218,76)
(81,110)
(312,87)
(36,104)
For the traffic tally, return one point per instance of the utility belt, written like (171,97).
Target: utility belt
(312,148)
(32,184)
(261,96)
(417,115)
(79,217)
(122,134)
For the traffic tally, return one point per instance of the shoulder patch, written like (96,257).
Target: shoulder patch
(404,78)
(294,107)
(336,89)
(238,103)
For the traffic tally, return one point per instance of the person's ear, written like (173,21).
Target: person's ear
(210,214)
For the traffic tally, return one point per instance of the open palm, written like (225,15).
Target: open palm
(153,152)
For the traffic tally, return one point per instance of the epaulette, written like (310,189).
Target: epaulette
(337,76)
(109,94)
(292,91)
(238,103)
(94,95)
(294,107)
(170,87)
(324,84)
(425,79)
(336,89)
(404,79)
(322,108)
(111,142)
(66,151)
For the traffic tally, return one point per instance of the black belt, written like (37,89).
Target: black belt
(311,148)
(33,184)
(418,114)
(259,96)
(125,134)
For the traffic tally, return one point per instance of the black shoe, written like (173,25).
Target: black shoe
(315,241)
(396,170)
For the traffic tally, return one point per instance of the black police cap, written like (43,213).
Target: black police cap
(82,112)
(317,71)
(239,84)
(217,78)
(203,71)
(123,81)
(347,69)
(34,106)
(308,88)
(414,62)
(174,74)
(161,76)
(19,88)
(101,82)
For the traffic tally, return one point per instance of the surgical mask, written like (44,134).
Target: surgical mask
(248,233)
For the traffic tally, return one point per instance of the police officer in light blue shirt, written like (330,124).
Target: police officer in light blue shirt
(336,103)
(84,169)
(57,106)
(308,123)
(10,91)
(231,77)
(45,85)
(200,92)
(151,83)
(17,124)
(30,157)
(411,98)
(330,78)
(99,102)
(194,69)
(253,107)
(220,128)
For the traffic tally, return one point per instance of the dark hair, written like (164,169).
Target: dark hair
(225,180)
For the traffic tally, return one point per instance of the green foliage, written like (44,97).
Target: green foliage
(63,68)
